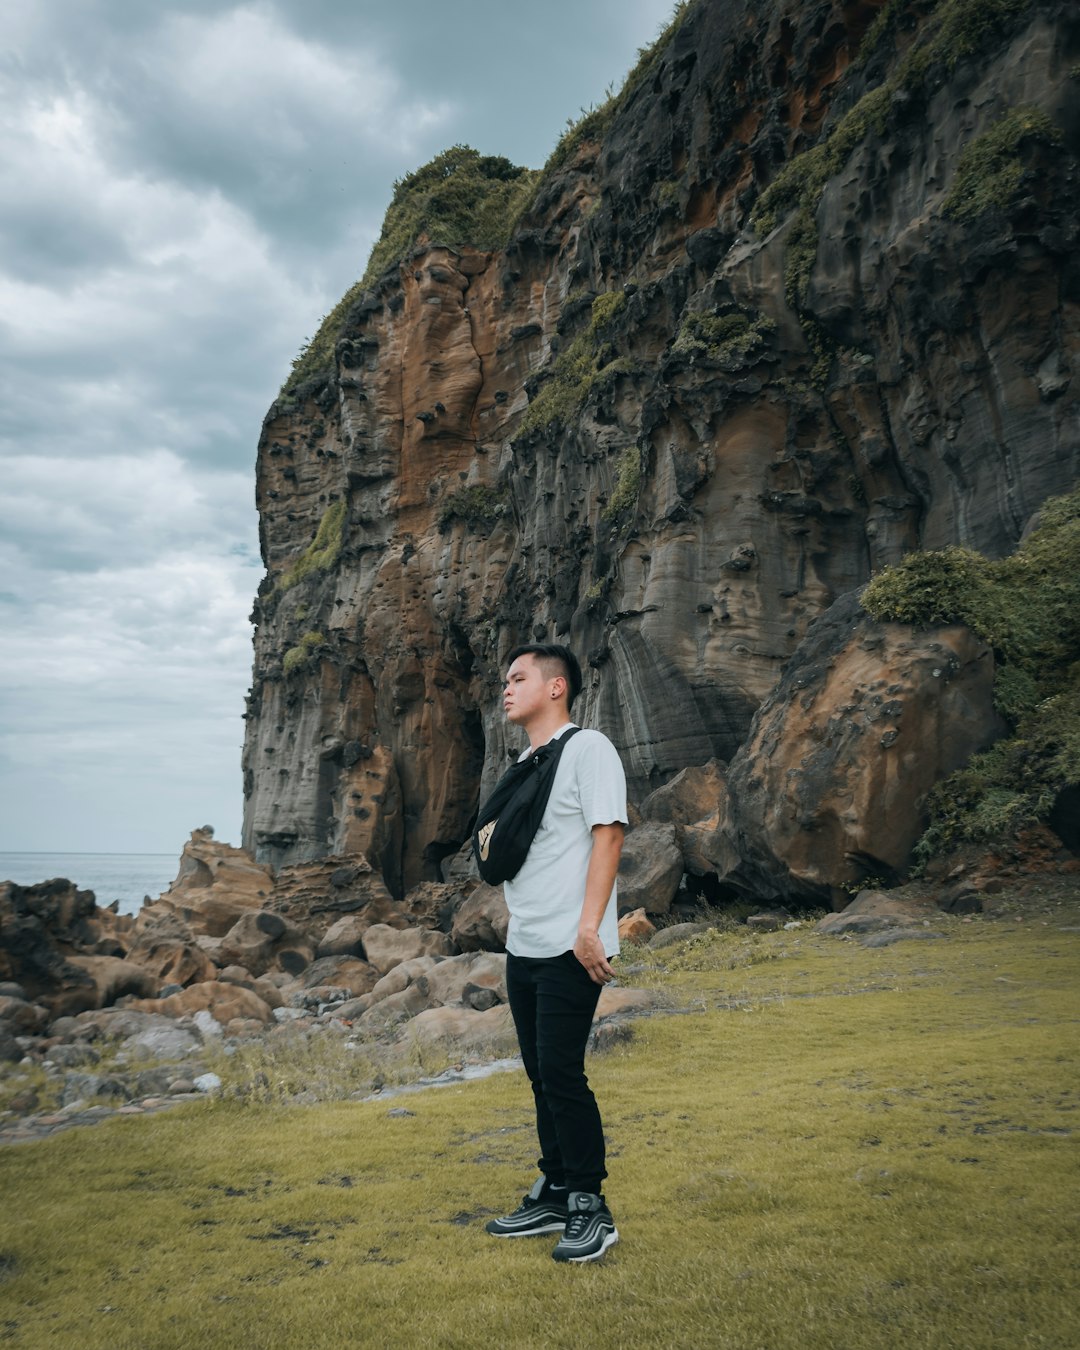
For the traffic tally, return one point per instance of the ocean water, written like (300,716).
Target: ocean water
(126,877)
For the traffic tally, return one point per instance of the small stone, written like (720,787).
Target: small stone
(181,1085)
(399,1112)
(207,1082)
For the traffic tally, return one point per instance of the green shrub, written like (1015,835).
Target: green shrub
(1027,607)
(990,170)
(298,655)
(732,339)
(322,553)
(478,506)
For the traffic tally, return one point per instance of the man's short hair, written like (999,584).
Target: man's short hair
(555,660)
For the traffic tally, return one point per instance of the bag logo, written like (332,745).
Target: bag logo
(483,836)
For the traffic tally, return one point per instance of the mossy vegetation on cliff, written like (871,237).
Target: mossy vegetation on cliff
(298,656)
(460,197)
(990,170)
(479,507)
(576,367)
(1027,608)
(322,553)
(732,339)
(952,30)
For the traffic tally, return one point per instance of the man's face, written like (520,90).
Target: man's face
(527,691)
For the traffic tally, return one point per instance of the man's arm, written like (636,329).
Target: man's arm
(603,864)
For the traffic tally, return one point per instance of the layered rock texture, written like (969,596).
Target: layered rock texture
(802,299)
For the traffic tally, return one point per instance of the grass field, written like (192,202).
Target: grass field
(828,1147)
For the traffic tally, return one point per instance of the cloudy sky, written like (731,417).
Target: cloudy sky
(187,187)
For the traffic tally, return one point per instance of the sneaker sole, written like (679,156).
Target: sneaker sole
(530,1232)
(609,1241)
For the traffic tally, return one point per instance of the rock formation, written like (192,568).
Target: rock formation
(800,299)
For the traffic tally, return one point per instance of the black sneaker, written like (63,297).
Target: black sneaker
(541,1211)
(590,1229)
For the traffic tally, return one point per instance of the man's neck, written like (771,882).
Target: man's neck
(541,729)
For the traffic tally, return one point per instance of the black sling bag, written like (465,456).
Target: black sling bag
(509,819)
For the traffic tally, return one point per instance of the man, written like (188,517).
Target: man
(563,933)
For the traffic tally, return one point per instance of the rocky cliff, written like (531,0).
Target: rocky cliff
(801,299)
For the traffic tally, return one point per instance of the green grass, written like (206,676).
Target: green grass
(834,1148)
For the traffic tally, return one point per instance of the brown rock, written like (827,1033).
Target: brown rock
(615,1001)
(481,922)
(650,869)
(263,940)
(222,1001)
(313,895)
(487,1034)
(344,938)
(387,947)
(692,795)
(676,933)
(829,788)
(215,886)
(20,1018)
(173,961)
(447,982)
(390,1012)
(345,972)
(112,978)
(635,927)
(872,911)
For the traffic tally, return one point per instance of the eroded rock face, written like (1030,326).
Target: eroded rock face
(215,886)
(828,789)
(772,414)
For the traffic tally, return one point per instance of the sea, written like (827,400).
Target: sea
(126,877)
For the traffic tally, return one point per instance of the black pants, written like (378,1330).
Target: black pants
(553,1001)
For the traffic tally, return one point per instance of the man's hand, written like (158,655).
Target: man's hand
(589,950)
(603,864)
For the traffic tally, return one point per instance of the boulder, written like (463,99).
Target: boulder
(617,1001)
(344,938)
(676,933)
(387,947)
(21,1018)
(263,940)
(433,904)
(345,972)
(650,869)
(473,1034)
(390,1012)
(221,1000)
(872,911)
(10,1049)
(162,1042)
(172,960)
(111,978)
(636,927)
(693,794)
(828,789)
(395,980)
(447,981)
(481,922)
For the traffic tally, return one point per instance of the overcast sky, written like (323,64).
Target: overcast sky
(186,187)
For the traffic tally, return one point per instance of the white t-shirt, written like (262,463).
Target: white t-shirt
(546,896)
